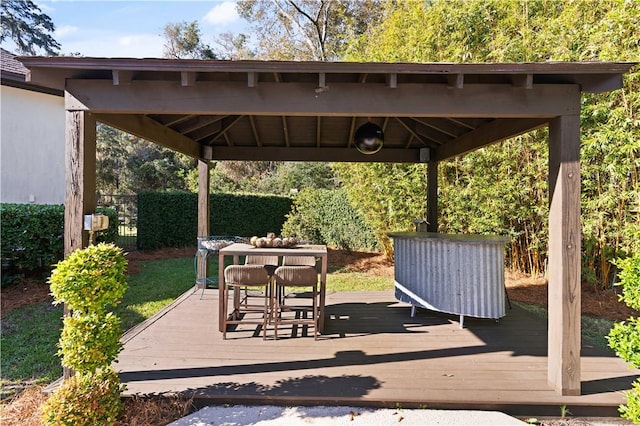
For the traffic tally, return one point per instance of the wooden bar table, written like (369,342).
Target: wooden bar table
(241,249)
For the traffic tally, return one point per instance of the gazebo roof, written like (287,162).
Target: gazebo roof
(309,111)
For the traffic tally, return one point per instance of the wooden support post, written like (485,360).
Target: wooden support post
(432,196)
(564,255)
(80,176)
(203,217)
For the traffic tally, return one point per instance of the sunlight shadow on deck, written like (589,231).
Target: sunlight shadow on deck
(349,386)
(341,359)
(615,384)
(357,319)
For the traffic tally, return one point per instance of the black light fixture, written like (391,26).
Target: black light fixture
(369,138)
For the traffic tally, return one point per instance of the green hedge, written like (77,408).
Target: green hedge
(170,219)
(33,238)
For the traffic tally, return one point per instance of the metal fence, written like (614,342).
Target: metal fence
(127,208)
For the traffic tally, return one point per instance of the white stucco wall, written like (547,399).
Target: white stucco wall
(31,147)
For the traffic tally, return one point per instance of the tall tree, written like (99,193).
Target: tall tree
(234,46)
(127,164)
(184,40)
(29,28)
(307,29)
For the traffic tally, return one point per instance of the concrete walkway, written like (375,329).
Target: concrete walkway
(268,415)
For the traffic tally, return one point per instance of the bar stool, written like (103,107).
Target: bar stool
(297,272)
(254,276)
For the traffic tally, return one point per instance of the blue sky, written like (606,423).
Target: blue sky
(132,28)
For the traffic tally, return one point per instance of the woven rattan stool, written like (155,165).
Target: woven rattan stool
(296,272)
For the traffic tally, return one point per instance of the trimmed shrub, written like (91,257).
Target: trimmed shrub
(33,238)
(91,279)
(90,341)
(85,399)
(170,219)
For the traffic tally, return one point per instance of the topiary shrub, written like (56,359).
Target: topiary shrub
(624,337)
(85,399)
(88,281)
(90,341)
(91,279)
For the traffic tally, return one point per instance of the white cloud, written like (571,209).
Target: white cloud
(65,30)
(222,14)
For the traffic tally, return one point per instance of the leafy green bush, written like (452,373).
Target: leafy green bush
(327,217)
(33,237)
(388,196)
(90,341)
(624,337)
(85,399)
(170,219)
(91,279)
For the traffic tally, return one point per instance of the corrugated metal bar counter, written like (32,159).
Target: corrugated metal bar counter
(455,274)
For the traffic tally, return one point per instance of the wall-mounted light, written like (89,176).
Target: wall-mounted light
(369,138)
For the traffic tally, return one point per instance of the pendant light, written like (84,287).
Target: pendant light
(369,138)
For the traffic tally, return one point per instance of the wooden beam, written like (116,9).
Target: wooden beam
(171,120)
(199,122)
(252,79)
(456,81)
(254,130)
(121,77)
(204,134)
(433,137)
(492,132)
(285,129)
(392,80)
(564,255)
(151,130)
(344,99)
(226,128)
(522,80)
(352,132)
(80,177)
(432,196)
(411,131)
(188,78)
(203,217)
(442,126)
(318,131)
(392,155)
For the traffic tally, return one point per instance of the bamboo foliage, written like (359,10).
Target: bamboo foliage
(503,189)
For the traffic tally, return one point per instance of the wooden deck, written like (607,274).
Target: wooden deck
(371,354)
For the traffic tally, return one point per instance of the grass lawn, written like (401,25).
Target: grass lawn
(30,334)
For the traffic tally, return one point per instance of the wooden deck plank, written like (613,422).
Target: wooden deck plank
(372,353)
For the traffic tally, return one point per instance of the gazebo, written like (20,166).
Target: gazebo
(309,111)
